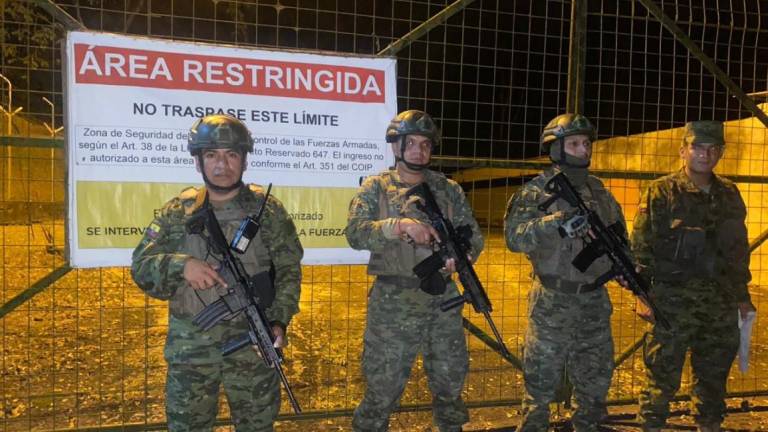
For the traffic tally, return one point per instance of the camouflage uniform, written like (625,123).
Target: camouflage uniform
(196,368)
(569,315)
(402,319)
(693,245)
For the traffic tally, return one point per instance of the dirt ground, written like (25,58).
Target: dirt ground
(505,419)
(86,353)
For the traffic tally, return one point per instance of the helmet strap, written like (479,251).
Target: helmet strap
(557,151)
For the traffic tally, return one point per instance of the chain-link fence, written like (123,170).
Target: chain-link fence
(83,348)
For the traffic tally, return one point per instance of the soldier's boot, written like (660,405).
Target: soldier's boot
(710,427)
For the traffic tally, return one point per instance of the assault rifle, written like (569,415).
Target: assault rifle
(454,243)
(241,297)
(601,240)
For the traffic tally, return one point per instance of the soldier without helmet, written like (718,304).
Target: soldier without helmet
(690,240)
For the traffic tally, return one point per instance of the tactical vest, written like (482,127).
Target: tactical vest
(400,259)
(700,235)
(187,302)
(555,260)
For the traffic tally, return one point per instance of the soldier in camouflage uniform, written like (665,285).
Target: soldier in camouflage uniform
(171,263)
(569,311)
(404,318)
(690,240)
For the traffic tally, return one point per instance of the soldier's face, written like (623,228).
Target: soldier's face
(418,149)
(578,146)
(223,167)
(701,158)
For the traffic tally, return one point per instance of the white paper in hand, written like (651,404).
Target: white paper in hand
(745,331)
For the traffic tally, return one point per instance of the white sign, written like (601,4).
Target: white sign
(318,122)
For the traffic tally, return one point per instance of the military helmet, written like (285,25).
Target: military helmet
(565,125)
(219,131)
(413,122)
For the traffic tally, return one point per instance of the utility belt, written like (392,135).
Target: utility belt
(566,286)
(403,281)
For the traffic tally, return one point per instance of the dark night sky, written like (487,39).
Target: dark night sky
(492,75)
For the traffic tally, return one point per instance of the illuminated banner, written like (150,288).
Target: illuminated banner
(318,123)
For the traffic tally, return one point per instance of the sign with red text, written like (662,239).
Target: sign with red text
(317,120)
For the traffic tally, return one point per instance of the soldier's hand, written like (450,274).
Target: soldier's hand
(622,281)
(420,233)
(280,340)
(200,275)
(450,265)
(644,312)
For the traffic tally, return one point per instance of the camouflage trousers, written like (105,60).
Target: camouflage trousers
(402,322)
(709,330)
(193,382)
(569,332)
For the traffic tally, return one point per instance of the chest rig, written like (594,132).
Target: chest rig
(699,234)
(400,259)
(188,302)
(554,264)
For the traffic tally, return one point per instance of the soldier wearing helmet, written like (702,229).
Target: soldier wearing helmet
(175,262)
(220,140)
(404,317)
(569,311)
(554,134)
(690,240)
(402,131)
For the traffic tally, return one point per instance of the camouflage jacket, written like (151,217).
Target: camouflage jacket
(535,232)
(682,233)
(379,203)
(159,259)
